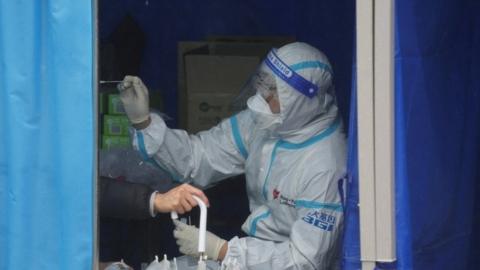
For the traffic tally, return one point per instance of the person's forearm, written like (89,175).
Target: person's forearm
(223,252)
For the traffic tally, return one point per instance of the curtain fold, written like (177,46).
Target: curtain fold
(47,134)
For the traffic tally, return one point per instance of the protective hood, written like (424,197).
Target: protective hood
(307,99)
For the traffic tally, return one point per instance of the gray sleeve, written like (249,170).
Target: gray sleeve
(121,199)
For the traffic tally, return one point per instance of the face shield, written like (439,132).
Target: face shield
(256,94)
(264,84)
(262,87)
(261,82)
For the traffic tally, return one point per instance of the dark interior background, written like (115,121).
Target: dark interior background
(140,38)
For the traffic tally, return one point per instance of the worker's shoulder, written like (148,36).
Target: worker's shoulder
(332,143)
(329,155)
(242,125)
(244,118)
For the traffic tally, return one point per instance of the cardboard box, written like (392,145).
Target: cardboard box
(212,82)
(213,73)
(115,125)
(218,73)
(208,109)
(182,49)
(109,142)
(115,105)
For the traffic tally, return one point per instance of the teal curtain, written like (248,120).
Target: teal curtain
(46,134)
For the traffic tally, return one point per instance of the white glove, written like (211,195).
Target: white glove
(187,241)
(134,96)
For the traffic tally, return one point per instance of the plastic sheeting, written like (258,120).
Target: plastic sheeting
(437,62)
(47,135)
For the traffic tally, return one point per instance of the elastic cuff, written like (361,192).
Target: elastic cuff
(153,212)
(142,124)
(149,140)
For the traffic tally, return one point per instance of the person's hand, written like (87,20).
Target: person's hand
(134,96)
(179,199)
(187,241)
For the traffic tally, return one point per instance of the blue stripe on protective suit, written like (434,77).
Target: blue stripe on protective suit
(253,228)
(314,139)
(141,146)
(238,137)
(318,205)
(144,154)
(294,146)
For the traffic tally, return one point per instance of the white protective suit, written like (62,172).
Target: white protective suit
(294,175)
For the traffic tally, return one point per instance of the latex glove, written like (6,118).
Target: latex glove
(134,96)
(179,199)
(187,241)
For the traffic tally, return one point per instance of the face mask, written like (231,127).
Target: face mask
(264,118)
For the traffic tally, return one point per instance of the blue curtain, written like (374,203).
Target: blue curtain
(437,132)
(47,135)
(437,91)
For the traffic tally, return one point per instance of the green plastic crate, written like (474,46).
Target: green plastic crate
(115,105)
(115,125)
(109,142)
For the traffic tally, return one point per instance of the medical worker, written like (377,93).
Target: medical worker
(291,147)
